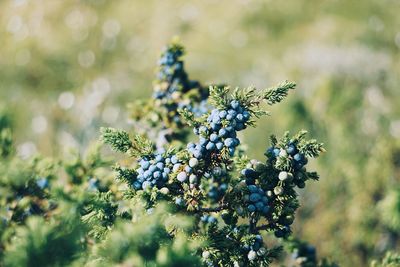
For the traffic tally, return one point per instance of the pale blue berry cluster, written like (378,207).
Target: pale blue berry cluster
(256,249)
(93,184)
(256,199)
(200,109)
(291,151)
(221,131)
(171,76)
(296,170)
(185,171)
(170,71)
(153,172)
(173,84)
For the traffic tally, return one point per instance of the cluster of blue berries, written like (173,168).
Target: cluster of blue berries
(291,151)
(186,171)
(170,71)
(153,172)
(216,137)
(256,199)
(297,160)
(171,75)
(256,249)
(259,201)
(173,86)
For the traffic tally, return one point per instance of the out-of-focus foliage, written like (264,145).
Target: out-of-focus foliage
(66,67)
(67,213)
(390,260)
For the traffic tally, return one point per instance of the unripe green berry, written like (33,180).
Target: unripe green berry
(164,191)
(252,255)
(278,190)
(283,176)
(206,254)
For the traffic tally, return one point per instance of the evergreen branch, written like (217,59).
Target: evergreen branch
(188,117)
(311,148)
(142,147)
(117,139)
(247,96)
(273,140)
(300,135)
(125,174)
(264,227)
(278,93)
(313,176)
(219,96)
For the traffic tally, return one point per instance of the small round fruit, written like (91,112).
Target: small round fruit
(298,157)
(251,208)
(283,176)
(193,162)
(182,176)
(192,179)
(164,190)
(206,254)
(252,255)
(254,197)
(278,190)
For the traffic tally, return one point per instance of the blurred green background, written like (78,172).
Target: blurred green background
(69,67)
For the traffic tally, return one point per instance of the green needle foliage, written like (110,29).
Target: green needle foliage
(57,243)
(148,242)
(186,194)
(390,260)
(235,202)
